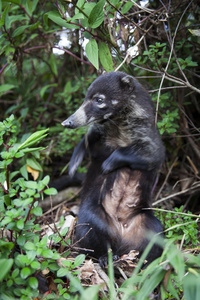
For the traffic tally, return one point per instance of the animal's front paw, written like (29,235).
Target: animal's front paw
(107,167)
(103,260)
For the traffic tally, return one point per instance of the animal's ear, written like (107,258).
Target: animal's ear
(128,82)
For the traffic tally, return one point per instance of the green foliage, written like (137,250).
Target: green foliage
(23,252)
(100,25)
(170,270)
(42,88)
(96,16)
(158,58)
(92,52)
(180,225)
(105,57)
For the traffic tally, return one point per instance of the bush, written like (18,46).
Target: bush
(24,253)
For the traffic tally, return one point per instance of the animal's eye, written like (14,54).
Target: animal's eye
(98,100)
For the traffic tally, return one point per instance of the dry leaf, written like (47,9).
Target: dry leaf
(33,172)
(88,273)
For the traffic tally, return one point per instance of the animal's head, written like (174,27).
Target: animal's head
(106,98)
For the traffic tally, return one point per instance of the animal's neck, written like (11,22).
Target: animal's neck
(117,133)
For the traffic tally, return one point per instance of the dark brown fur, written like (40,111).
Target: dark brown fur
(126,152)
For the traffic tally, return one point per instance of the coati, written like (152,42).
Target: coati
(126,152)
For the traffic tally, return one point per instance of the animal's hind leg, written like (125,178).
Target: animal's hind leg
(92,230)
(138,234)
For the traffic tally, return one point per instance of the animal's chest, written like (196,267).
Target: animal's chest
(122,200)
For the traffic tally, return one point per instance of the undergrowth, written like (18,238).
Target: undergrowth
(25,253)
(180,225)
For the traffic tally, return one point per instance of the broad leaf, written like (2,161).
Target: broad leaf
(105,57)
(2,21)
(5,266)
(92,53)
(6,87)
(32,162)
(50,191)
(96,16)
(56,18)
(33,283)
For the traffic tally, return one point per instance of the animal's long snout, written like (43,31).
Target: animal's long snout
(78,119)
(69,123)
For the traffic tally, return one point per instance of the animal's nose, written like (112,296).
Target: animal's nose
(68,123)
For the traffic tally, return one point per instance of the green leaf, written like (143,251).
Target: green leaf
(33,283)
(9,283)
(176,259)
(15,272)
(30,246)
(47,253)
(14,1)
(80,4)
(37,211)
(21,260)
(79,260)
(2,21)
(35,265)
(92,53)
(6,220)
(19,30)
(195,32)
(31,184)
(171,288)
(9,52)
(2,208)
(62,272)
(5,266)
(91,293)
(105,57)
(34,164)
(24,172)
(21,240)
(13,174)
(32,5)
(191,287)
(22,203)
(20,224)
(7,246)
(56,18)
(126,7)
(150,284)
(7,200)
(53,64)
(25,272)
(46,179)
(96,16)
(6,87)
(33,139)
(50,191)
(31,254)
(13,18)
(43,90)
(28,150)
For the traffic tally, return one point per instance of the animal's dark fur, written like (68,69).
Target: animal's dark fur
(126,153)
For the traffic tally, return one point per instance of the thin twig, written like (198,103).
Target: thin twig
(170,56)
(73,55)
(177,194)
(128,54)
(125,17)
(3,68)
(168,88)
(166,178)
(63,202)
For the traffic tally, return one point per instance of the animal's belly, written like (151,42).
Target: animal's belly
(122,201)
